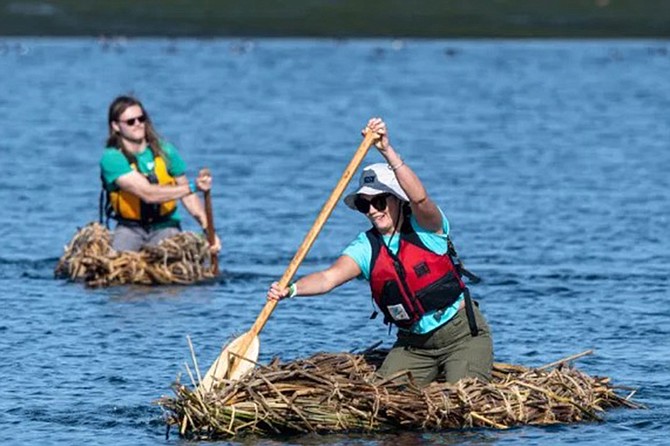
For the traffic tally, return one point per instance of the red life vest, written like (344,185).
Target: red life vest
(407,285)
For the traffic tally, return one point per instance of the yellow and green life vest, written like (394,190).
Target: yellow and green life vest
(126,206)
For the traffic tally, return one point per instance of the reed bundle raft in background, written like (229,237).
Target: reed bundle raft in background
(330,393)
(89,257)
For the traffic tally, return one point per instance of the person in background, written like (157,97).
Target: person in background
(414,275)
(143,176)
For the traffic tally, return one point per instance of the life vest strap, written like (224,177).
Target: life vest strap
(470,313)
(104,205)
(472,277)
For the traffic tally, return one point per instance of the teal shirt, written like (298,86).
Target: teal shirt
(114,164)
(361,252)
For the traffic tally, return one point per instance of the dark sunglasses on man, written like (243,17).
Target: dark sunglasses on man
(132,121)
(378,201)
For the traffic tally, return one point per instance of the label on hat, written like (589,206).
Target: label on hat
(398,312)
(368,180)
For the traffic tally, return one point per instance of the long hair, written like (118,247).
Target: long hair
(116,109)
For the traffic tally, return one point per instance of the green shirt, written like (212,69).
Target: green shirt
(114,164)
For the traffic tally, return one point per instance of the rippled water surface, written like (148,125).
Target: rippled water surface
(550,159)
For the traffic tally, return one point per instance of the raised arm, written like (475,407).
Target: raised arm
(425,211)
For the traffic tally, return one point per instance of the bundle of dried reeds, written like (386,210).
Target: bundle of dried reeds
(339,393)
(89,257)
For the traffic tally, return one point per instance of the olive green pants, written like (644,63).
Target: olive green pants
(450,350)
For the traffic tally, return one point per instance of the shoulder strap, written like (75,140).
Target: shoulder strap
(105,211)
(131,159)
(408,234)
(375,244)
(101,205)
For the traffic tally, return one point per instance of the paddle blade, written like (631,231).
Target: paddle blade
(233,362)
(241,366)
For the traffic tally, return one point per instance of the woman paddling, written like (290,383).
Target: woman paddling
(413,278)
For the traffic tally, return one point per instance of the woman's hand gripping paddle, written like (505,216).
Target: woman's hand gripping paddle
(240,356)
(210,231)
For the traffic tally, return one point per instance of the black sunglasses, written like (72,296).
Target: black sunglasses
(132,121)
(378,201)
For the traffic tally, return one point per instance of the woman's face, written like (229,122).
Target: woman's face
(382,219)
(131,124)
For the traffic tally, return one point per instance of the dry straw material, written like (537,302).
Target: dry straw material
(330,393)
(89,257)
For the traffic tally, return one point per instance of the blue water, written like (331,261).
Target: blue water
(549,158)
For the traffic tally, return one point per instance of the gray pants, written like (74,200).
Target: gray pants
(133,238)
(450,350)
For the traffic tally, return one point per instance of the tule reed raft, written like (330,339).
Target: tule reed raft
(89,257)
(337,393)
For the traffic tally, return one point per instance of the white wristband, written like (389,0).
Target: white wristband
(292,290)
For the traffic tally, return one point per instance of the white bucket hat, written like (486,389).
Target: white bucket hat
(376,179)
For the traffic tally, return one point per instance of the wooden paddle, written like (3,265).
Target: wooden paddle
(240,356)
(210,231)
